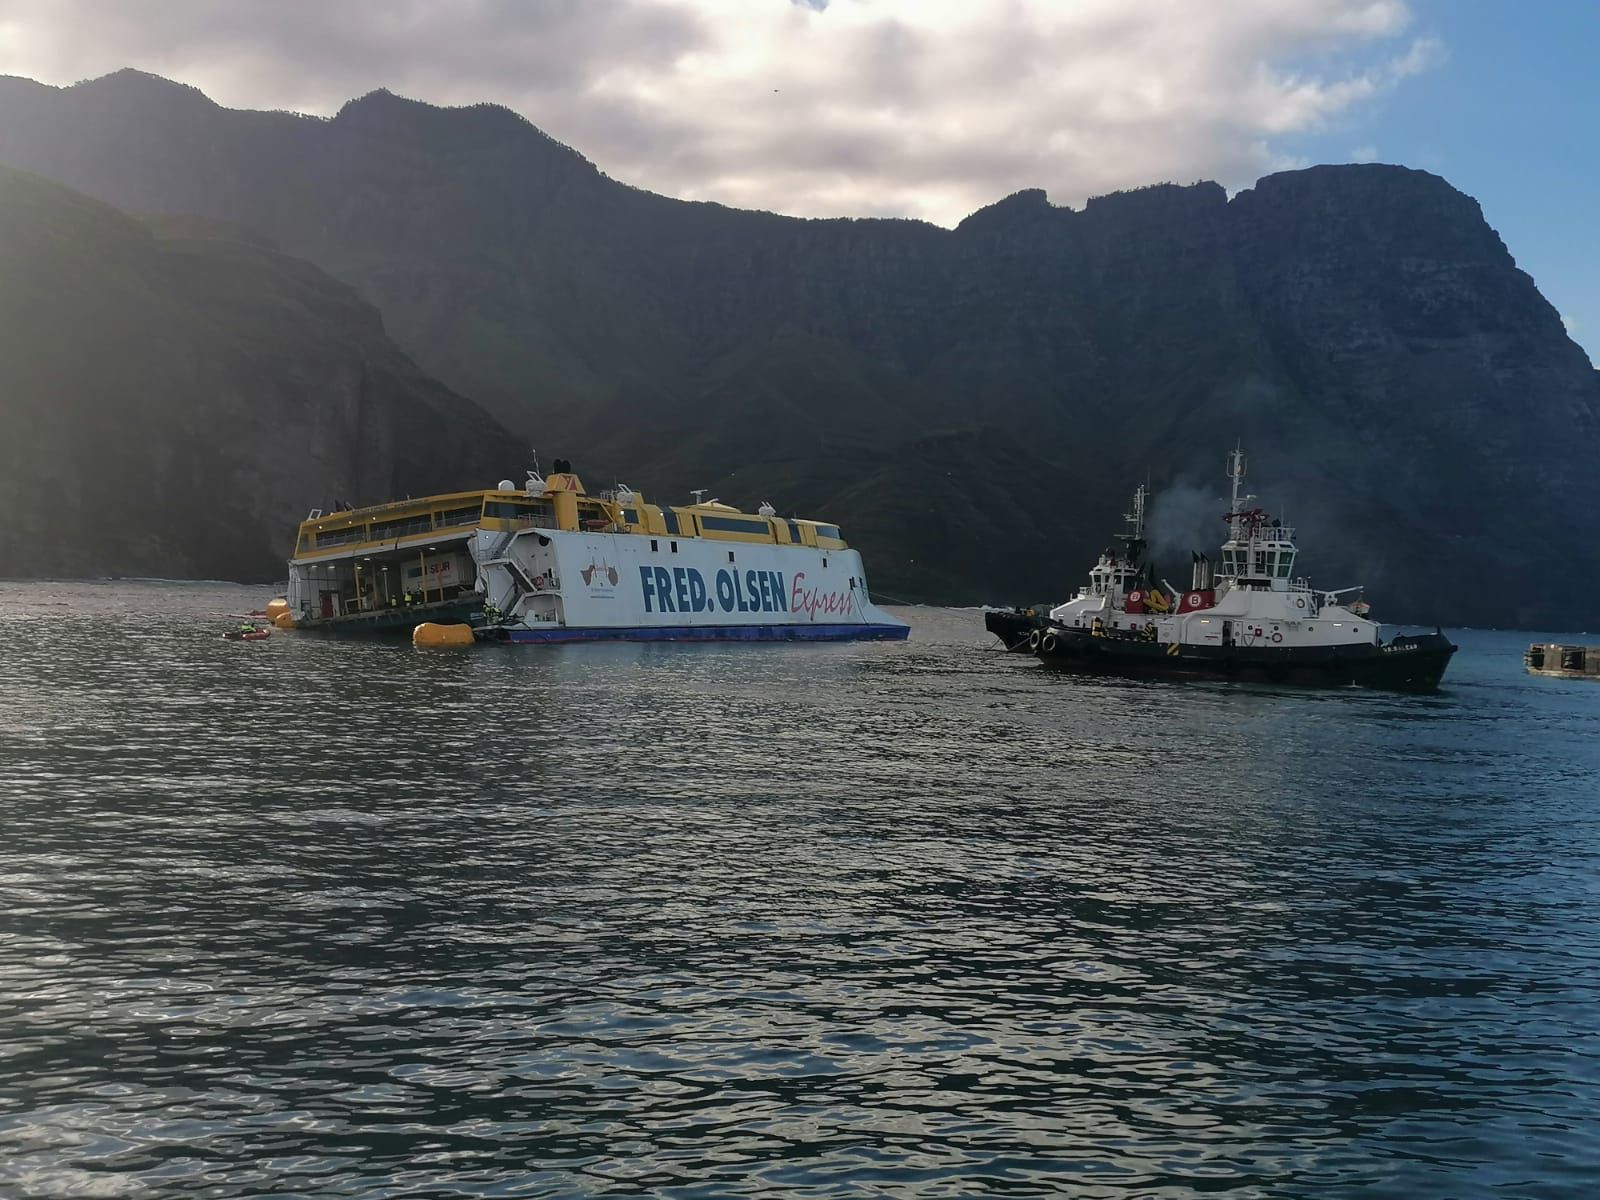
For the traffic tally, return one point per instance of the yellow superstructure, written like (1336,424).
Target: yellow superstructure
(562,504)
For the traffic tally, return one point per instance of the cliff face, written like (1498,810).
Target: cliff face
(974,404)
(174,407)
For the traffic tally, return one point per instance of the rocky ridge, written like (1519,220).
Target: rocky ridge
(973,403)
(173,406)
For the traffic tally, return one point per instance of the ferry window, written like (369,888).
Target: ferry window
(654,546)
(401,527)
(511,511)
(674,547)
(340,537)
(670,517)
(794,533)
(828,531)
(730,555)
(735,525)
(631,515)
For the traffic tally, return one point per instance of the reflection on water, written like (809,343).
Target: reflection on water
(348,919)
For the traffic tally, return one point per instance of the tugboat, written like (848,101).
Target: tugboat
(1251,618)
(1016,627)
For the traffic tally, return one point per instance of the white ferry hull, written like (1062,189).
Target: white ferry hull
(549,586)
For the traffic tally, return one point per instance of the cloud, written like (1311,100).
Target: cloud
(927,108)
(1364,154)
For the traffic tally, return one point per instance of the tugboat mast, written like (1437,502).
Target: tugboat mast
(1236,514)
(1133,540)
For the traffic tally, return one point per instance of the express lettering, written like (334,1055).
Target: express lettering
(813,600)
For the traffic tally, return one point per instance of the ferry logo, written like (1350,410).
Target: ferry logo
(598,574)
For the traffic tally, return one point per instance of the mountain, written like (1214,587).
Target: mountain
(973,404)
(173,399)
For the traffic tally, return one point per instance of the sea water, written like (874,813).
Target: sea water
(344,918)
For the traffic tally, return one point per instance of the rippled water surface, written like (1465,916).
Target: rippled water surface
(316,917)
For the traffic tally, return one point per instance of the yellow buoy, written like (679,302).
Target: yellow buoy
(431,634)
(274,607)
(283,620)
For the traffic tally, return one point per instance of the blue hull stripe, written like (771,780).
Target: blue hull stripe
(716,633)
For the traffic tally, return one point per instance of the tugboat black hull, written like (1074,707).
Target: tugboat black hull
(1407,664)
(1013,626)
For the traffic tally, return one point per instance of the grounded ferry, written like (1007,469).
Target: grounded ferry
(548,562)
(1252,618)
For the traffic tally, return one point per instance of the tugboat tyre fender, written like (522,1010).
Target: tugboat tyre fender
(1277,637)
(1048,643)
(1034,639)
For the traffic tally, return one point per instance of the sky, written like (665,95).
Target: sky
(934,108)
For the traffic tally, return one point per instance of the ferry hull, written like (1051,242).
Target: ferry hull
(710,633)
(399,619)
(549,586)
(1413,664)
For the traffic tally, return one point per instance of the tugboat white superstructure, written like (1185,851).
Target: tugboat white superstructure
(1249,617)
(547,562)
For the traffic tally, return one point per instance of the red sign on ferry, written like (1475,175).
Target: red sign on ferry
(1195,601)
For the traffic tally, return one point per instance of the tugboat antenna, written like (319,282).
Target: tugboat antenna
(1136,517)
